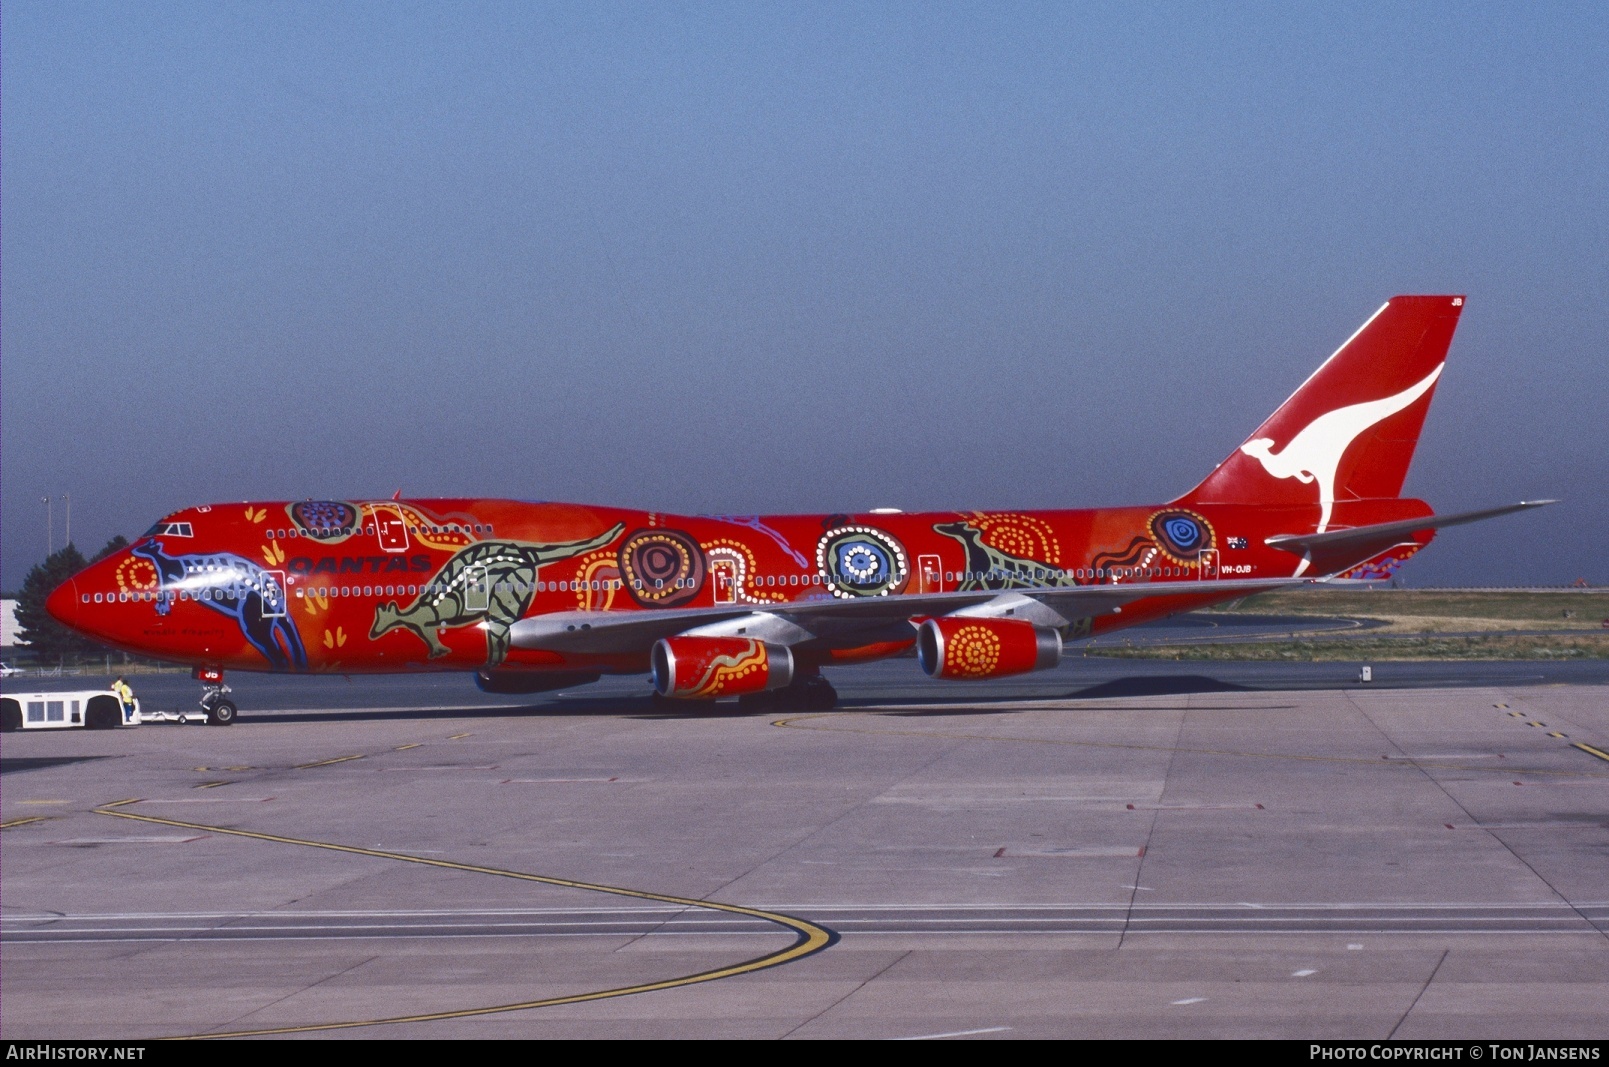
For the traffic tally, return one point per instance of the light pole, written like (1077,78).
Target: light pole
(69,498)
(50,528)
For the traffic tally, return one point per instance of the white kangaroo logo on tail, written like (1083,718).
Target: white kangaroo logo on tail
(1315,453)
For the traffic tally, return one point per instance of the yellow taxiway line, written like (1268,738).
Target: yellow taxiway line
(809,938)
(326,762)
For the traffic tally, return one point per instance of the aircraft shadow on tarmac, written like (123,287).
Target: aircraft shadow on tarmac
(990,698)
(1162,685)
(592,707)
(1131,687)
(12,764)
(638,707)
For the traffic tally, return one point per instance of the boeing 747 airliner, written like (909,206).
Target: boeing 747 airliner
(540,596)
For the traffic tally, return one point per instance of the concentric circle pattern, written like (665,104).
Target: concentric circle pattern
(662,568)
(324,518)
(973,652)
(857,561)
(1181,535)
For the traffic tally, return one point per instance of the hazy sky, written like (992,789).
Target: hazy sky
(788,257)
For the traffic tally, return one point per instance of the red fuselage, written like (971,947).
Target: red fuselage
(398,586)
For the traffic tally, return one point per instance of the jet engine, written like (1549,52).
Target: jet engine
(959,647)
(705,668)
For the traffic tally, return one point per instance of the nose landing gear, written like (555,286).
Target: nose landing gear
(221,711)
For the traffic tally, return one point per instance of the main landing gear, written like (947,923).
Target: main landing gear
(807,692)
(221,711)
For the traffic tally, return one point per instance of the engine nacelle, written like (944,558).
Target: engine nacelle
(958,647)
(706,668)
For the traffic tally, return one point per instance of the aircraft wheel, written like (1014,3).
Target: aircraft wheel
(753,703)
(820,695)
(223,713)
(805,694)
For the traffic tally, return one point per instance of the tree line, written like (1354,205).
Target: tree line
(36,630)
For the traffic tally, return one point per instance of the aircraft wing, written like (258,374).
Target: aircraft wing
(847,622)
(1383,532)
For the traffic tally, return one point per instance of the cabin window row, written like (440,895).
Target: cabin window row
(1051,574)
(606,584)
(348,531)
(231,592)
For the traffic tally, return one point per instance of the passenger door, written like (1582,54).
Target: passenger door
(725,572)
(390,528)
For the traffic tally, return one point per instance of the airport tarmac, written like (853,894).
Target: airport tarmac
(1109,849)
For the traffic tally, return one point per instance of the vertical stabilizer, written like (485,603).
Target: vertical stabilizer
(1349,432)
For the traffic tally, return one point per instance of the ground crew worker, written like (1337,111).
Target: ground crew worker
(125,695)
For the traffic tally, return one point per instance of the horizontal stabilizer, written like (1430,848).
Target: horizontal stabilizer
(1380,532)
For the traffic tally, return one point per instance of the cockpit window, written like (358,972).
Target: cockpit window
(169,529)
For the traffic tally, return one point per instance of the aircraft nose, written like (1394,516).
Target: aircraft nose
(63,603)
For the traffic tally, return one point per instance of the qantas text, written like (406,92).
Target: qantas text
(359,565)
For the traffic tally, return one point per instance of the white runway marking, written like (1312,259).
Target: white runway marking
(1076,852)
(169,839)
(953,1033)
(124,916)
(570,781)
(211,800)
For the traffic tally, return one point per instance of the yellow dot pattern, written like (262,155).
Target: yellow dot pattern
(972,652)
